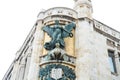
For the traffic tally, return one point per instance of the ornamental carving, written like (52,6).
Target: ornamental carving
(57,34)
(57,72)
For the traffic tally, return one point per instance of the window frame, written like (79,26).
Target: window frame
(111,54)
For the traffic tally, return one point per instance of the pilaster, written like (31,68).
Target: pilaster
(15,70)
(37,51)
(84,49)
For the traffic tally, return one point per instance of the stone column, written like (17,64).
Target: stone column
(83,47)
(15,70)
(37,51)
(27,65)
(21,72)
(91,53)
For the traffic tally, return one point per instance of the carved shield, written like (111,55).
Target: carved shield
(56,73)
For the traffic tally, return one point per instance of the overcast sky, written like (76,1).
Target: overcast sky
(17,17)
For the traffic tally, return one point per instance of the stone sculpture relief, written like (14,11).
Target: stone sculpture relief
(57,72)
(57,54)
(57,34)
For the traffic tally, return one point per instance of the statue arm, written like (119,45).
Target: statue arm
(67,30)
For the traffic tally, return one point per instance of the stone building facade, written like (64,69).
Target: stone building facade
(91,49)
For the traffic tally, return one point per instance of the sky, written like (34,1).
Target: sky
(17,18)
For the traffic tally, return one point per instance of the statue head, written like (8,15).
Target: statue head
(57,45)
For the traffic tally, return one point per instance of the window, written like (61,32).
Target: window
(112,61)
(119,56)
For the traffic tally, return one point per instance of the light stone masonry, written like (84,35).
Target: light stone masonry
(85,56)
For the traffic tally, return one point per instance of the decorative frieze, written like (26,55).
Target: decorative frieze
(107,30)
(59,11)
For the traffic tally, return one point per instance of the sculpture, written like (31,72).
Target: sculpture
(58,33)
(68,73)
(57,54)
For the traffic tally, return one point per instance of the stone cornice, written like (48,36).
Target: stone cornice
(106,30)
(57,11)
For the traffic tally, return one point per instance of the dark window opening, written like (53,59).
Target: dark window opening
(112,61)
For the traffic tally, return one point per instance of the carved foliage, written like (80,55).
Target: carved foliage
(68,73)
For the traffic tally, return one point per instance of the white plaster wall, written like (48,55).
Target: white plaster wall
(91,53)
(83,51)
(101,55)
